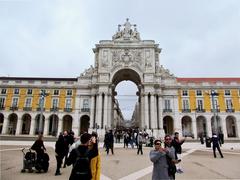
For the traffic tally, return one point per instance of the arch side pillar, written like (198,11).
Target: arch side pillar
(146,119)
(32,126)
(209,127)
(19,126)
(46,127)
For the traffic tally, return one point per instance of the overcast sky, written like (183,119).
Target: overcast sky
(55,38)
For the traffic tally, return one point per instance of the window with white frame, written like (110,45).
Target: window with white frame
(54,103)
(200,104)
(85,103)
(28,102)
(29,91)
(229,104)
(68,103)
(3,91)
(55,92)
(185,104)
(16,91)
(199,92)
(14,102)
(2,102)
(167,104)
(69,92)
(227,92)
(184,93)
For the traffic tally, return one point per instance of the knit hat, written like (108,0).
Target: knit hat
(85,138)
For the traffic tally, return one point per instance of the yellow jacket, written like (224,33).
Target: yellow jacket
(96,167)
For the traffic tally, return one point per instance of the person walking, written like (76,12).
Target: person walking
(59,153)
(139,143)
(109,141)
(159,158)
(177,144)
(95,164)
(66,146)
(215,141)
(80,159)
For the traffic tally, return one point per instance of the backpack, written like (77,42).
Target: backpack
(81,167)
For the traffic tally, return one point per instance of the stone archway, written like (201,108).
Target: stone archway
(168,125)
(53,125)
(67,123)
(12,126)
(26,123)
(119,76)
(187,126)
(201,126)
(37,124)
(84,124)
(231,126)
(1,122)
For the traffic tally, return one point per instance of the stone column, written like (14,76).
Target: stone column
(146,111)
(109,111)
(32,127)
(194,128)
(160,111)
(105,111)
(209,127)
(153,112)
(92,111)
(46,127)
(60,126)
(142,111)
(177,121)
(224,127)
(99,109)
(5,125)
(19,126)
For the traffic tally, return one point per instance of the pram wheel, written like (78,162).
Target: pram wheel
(23,171)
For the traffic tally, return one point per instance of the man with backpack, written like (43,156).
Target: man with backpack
(80,160)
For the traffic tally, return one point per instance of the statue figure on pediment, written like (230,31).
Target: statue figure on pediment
(88,71)
(127,33)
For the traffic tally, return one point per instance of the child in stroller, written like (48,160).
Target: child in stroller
(29,159)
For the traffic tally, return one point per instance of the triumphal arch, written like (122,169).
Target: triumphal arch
(128,57)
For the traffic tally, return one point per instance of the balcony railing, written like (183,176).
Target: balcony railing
(68,109)
(85,110)
(27,108)
(2,108)
(230,110)
(216,110)
(39,109)
(167,110)
(200,110)
(54,109)
(13,108)
(186,110)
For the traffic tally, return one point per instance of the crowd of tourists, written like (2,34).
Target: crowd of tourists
(83,155)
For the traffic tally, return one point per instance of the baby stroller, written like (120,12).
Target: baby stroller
(29,159)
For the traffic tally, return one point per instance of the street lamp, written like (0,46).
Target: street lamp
(213,94)
(43,94)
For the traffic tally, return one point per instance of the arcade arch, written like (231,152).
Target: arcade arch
(1,122)
(13,118)
(84,124)
(26,123)
(168,125)
(219,124)
(53,125)
(67,123)
(201,126)
(231,126)
(187,126)
(37,124)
